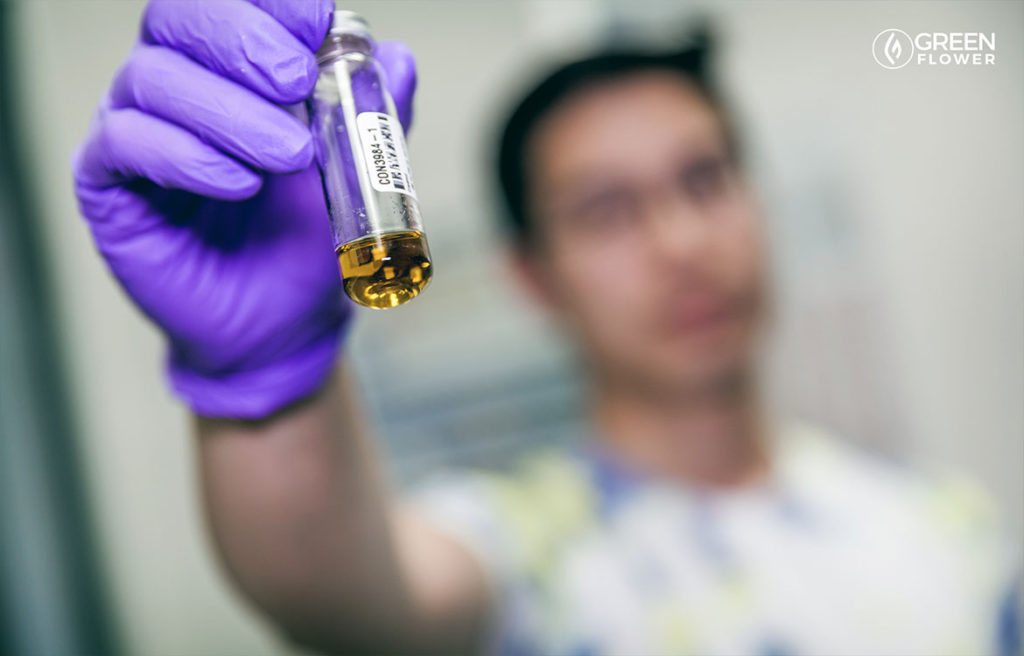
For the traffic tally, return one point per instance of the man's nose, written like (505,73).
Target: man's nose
(676,232)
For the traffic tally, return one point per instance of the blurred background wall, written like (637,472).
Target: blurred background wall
(896,209)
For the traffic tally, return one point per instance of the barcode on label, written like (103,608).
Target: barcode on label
(384,153)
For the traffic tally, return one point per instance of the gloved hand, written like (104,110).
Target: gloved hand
(201,194)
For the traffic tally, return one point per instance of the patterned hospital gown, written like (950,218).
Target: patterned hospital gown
(841,553)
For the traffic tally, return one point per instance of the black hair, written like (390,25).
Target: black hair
(691,62)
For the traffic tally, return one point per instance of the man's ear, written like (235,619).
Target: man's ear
(532,276)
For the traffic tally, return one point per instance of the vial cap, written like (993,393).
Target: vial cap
(348,22)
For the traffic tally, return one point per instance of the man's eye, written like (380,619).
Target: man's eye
(605,212)
(705,179)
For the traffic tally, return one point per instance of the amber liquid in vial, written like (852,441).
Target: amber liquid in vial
(386,270)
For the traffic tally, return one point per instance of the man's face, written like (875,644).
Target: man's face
(648,243)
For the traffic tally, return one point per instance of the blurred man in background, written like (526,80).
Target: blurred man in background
(691,521)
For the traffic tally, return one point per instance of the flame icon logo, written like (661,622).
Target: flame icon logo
(893,48)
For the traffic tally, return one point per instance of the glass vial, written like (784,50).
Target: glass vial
(361,153)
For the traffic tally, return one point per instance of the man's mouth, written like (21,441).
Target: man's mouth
(699,315)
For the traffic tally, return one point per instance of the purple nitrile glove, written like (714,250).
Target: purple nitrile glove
(201,194)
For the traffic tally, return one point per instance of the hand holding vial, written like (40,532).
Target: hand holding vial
(202,195)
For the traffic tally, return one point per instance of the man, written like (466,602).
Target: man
(690,523)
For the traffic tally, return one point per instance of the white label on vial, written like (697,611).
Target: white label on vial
(384,153)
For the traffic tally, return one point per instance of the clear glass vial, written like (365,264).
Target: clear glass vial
(361,153)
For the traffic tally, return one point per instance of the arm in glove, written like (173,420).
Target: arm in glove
(200,192)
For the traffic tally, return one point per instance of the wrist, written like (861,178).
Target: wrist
(258,392)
